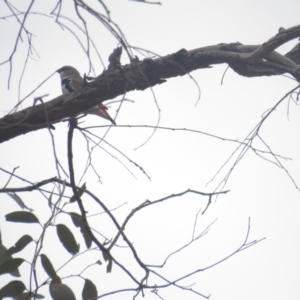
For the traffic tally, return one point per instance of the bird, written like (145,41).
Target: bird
(71,81)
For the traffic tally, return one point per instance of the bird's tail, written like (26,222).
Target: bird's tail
(101,111)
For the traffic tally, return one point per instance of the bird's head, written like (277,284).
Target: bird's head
(68,71)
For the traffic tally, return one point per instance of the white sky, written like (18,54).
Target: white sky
(175,161)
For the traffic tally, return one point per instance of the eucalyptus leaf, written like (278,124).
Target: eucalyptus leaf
(89,291)
(22,217)
(28,296)
(67,239)
(77,221)
(20,244)
(48,267)
(18,200)
(80,193)
(4,257)
(10,265)
(60,291)
(12,289)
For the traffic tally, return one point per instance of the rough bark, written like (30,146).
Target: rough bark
(246,60)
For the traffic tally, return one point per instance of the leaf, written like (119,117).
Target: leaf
(60,291)
(28,296)
(107,257)
(67,239)
(89,290)
(80,193)
(20,244)
(109,266)
(98,262)
(48,267)
(12,289)
(22,216)
(77,221)
(10,265)
(18,200)
(4,258)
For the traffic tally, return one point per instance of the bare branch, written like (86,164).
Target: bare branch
(243,148)
(19,37)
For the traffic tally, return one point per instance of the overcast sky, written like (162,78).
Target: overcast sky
(174,160)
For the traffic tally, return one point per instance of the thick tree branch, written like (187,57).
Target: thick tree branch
(246,60)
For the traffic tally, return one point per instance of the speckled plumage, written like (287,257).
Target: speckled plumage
(71,81)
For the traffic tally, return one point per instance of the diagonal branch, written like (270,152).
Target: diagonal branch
(140,75)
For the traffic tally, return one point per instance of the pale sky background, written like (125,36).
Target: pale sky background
(175,160)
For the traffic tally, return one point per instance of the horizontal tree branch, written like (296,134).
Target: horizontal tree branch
(246,60)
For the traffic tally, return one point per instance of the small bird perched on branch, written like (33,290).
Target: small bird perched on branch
(71,81)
